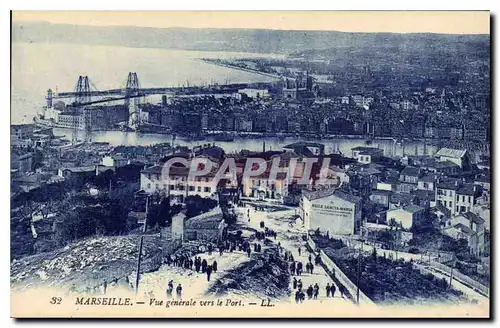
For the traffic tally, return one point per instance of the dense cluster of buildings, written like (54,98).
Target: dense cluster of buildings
(364,188)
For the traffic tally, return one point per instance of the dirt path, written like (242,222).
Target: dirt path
(290,238)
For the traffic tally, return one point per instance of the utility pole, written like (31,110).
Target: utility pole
(141,241)
(359,272)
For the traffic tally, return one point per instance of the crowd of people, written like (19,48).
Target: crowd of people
(248,246)
(170,290)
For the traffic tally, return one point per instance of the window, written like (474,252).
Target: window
(463,198)
(425,185)
(149,185)
(199,189)
(470,199)
(181,187)
(191,188)
(457,209)
(157,186)
(207,189)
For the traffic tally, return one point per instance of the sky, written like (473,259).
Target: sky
(449,22)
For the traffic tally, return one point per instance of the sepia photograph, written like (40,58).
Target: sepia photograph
(250,164)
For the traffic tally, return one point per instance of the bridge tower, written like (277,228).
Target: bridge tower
(82,95)
(131,89)
(82,90)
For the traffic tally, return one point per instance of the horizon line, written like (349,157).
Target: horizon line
(368,22)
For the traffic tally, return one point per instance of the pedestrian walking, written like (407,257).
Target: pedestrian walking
(179,291)
(214,266)
(299,251)
(294,283)
(197,264)
(332,290)
(299,269)
(308,268)
(311,266)
(299,284)
(209,272)
(204,266)
(297,296)
(302,296)
(310,258)
(292,268)
(342,291)
(316,291)
(248,251)
(309,292)
(328,290)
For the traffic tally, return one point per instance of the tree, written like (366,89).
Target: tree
(195,205)
(160,214)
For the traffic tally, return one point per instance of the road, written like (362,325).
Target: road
(194,284)
(290,238)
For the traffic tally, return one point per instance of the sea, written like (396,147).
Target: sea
(37,67)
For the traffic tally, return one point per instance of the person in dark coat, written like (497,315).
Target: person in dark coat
(300,251)
(316,291)
(191,264)
(294,283)
(307,268)
(311,266)
(259,248)
(342,291)
(170,288)
(299,284)
(204,266)
(297,296)
(328,290)
(302,296)
(249,251)
(299,268)
(209,272)
(333,290)
(292,268)
(309,292)
(179,291)
(214,266)
(197,264)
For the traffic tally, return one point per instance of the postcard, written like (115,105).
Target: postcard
(241,164)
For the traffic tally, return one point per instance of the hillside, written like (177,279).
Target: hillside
(239,40)
(87,263)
